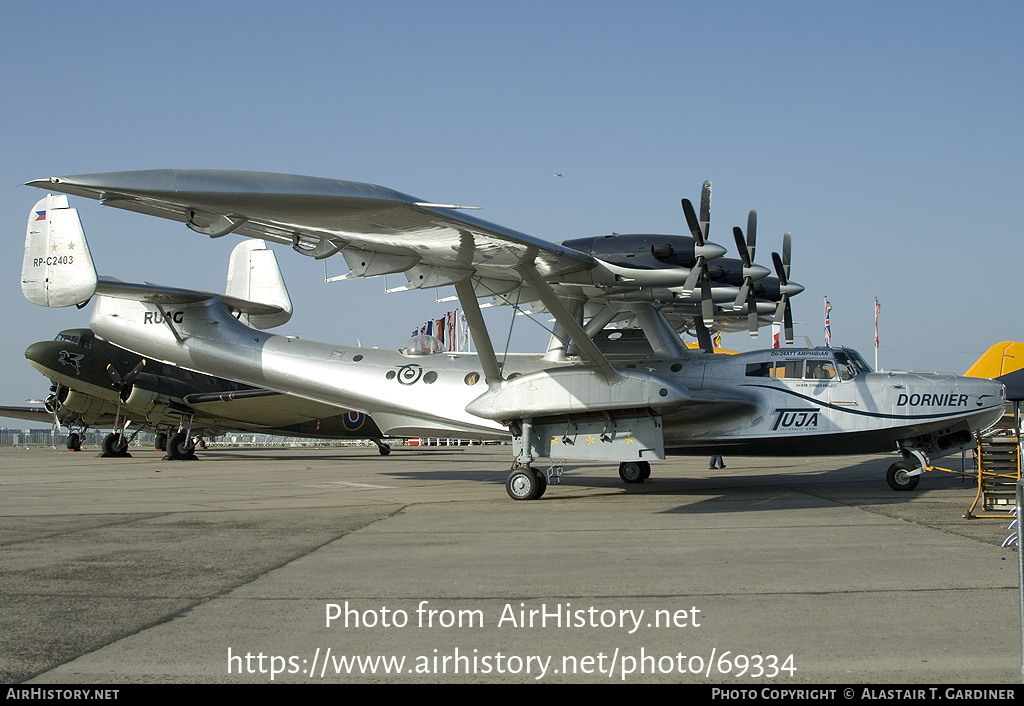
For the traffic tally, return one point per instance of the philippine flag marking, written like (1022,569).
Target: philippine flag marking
(40,215)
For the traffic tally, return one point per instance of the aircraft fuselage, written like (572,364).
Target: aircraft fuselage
(772,402)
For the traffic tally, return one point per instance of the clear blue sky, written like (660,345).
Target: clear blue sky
(886,136)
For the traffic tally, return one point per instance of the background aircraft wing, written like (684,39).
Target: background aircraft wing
(32,414)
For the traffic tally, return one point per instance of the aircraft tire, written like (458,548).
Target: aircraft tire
(523,484)
(161,441)
(897,477)
(647,469)
(113,446)
(74,441)
(384,450)
(631,471)
(180,447)
(542,478)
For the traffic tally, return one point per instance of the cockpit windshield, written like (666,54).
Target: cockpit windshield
(851,363)
(80,341)
(422,345)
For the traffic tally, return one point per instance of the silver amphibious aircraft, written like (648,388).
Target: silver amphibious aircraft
(631,394)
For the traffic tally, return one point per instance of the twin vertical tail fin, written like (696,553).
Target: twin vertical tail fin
(57,269)
(254,275)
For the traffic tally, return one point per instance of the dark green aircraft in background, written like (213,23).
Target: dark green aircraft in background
(96,384)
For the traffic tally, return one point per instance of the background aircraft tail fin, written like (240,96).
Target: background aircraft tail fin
(57,269)
(254,275)
(1003,362)
(999,360)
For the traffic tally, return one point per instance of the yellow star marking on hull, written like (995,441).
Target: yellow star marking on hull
(554,440)
(629,439)
(590,441)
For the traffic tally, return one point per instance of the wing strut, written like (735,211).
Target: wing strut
(471,308)
(528,270)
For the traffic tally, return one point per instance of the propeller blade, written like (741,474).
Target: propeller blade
(707,304)
(751,233)
(134,373)
(789,323)
(695,271)
(691,221)
(752,315)
(787,251)
(780,269)
(115,377)
(741,296)
(780,310)
(705,208)
(741,246)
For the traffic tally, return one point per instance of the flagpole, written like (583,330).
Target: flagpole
(878,308)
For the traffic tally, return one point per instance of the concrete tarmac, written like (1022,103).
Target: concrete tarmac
(768,573)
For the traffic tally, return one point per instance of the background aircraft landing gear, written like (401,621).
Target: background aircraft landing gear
(634,471)
(74,441)
(897,476)
(161,441)
(115,445)
(181,447)
(382,448)
(524,483)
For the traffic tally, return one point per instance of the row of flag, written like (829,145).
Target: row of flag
(451,329)
(777,328)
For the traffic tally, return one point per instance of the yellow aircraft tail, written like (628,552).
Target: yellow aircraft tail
(1003,362)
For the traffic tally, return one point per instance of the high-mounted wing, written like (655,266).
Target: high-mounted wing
(376,229)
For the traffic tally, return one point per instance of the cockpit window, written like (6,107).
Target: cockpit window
(74,340)
(422,345)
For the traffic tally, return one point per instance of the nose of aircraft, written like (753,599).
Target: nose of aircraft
(36,353)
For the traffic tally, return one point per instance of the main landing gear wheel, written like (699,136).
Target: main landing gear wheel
(74,441)
(634,471)
(897,477)
(525,484)
(161,441)
(115,446)
(180,447)
(384,450)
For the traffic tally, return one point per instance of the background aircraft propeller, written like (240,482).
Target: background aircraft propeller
(124,385)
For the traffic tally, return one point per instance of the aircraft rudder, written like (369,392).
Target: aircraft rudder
(254,275)
(57,269)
